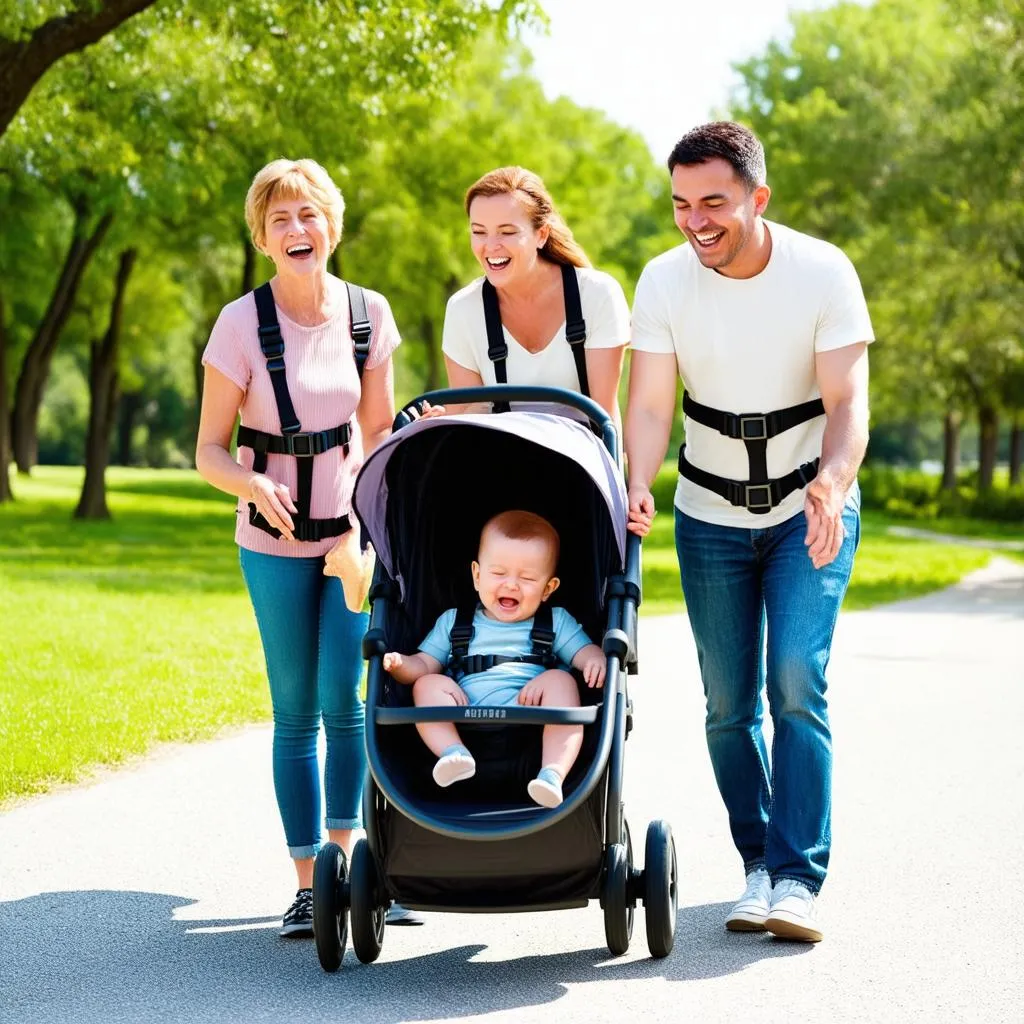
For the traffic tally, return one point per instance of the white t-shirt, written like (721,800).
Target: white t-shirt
(605,312)
(748,346)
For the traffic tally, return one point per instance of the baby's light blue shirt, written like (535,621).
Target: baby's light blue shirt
(501,684)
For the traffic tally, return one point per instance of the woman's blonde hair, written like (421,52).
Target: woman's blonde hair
(529,190)
(293,179)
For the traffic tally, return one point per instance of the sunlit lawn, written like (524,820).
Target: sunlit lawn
(115,636)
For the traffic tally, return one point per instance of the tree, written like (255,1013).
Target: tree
(30,47)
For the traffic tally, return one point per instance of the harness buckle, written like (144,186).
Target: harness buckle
(575,332)
(751,493)
(276,364)
(301,445)
(271,342)
(753,428)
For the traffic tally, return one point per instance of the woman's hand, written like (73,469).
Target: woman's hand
(425,411)
(641,510)
(273,501)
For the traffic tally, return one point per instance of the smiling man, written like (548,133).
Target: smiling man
(768,329)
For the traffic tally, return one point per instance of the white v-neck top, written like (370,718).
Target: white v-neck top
(605,312)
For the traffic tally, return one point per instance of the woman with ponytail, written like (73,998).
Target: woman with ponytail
(561,322)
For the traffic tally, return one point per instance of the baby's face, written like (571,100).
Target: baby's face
(513,577)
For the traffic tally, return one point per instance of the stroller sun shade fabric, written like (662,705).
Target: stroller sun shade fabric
(470,467)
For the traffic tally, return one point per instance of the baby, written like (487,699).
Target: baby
(513,575)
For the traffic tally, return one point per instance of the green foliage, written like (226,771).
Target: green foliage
(914,494)
(894,130)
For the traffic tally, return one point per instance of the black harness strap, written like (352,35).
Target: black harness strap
(575,325)
(292,441)
(361,329)
(497,349)
(575,331)
(542,641)
(758,495)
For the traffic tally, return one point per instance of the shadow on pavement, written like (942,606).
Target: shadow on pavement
(112,957)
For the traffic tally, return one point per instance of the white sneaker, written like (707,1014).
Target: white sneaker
(792,913)
(750,912)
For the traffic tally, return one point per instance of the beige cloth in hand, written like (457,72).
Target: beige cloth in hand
(353,567)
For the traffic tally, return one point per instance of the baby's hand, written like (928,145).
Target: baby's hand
(593,669)
(392,660)
(531,694)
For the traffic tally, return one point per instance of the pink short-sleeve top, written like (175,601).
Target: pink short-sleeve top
(324,386)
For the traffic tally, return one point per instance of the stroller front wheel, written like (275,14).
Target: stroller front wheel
(330,899)
(366,909)
(661,891)
(618,904)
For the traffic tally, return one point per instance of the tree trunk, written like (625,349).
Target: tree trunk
(128,408)
(5,415)
(103,401)
(951,449)
(1015,454)
(988,423)
(24,61)
(35,367)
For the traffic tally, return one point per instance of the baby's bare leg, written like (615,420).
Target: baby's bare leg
(431,692)
(561,744)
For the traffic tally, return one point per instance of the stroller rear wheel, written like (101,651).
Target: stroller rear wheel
(661,896)
(618,901)
(330,920)
(366,909)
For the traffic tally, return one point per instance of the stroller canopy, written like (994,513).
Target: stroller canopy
(555,436)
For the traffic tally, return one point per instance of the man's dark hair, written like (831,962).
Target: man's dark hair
(723,140)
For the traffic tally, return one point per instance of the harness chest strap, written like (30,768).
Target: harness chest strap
(542,641)
(304,447)
(575,331)
(760,494)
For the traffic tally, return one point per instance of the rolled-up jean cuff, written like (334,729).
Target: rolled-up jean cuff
(344,824)
(303,852)
(753,865)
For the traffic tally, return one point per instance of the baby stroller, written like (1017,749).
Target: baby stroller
(482,845)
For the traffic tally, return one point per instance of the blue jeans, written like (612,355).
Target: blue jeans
(741,584)
(313,648)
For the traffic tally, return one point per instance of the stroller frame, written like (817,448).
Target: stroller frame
(363,889)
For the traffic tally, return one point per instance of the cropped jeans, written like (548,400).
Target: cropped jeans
(762,614)
(313,649)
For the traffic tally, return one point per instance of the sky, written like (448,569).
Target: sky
(659,66)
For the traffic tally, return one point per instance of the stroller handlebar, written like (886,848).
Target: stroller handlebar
(531,393)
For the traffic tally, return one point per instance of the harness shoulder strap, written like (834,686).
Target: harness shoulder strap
(542,635)
(462,632)
(575,325)
(497,348)
(361,328)
(272,347)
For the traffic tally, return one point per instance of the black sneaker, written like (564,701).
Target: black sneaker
(298,918)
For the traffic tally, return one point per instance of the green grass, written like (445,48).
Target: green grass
(887,568)
(120,635)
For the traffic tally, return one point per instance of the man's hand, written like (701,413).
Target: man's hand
(823,507)
(641,510)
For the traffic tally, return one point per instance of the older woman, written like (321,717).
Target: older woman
(540,314)
(306,360)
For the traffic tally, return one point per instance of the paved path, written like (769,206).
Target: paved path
(152,895)
(990,543)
